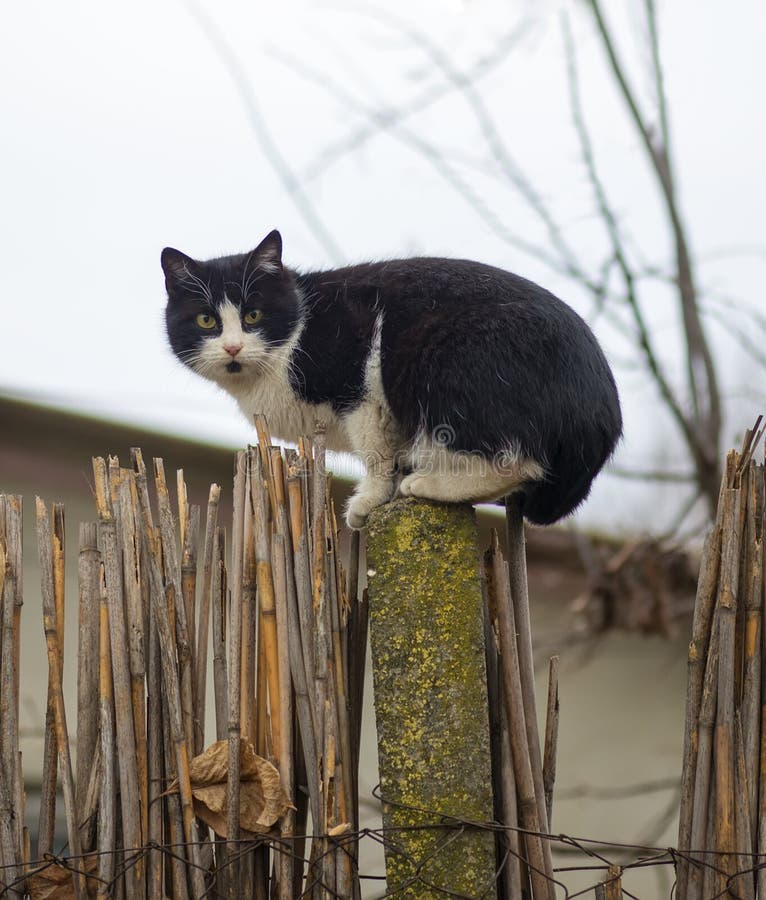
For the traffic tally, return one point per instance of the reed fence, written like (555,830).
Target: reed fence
(268,806)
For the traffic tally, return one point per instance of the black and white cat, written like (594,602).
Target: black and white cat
(452,380)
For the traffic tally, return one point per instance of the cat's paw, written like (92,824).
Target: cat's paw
(430,486)
(359,507)
(414,485)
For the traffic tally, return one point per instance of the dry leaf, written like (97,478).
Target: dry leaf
(338,830)
(55,882)
(263,800)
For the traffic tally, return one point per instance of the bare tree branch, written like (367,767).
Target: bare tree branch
(500,153)
(652,475)
(703,385)
(428,151)
(659,81)
(236,70)
(613,230)
(391,116)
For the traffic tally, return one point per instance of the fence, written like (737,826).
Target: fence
(271,808)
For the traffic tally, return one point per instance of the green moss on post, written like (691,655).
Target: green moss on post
(426,631)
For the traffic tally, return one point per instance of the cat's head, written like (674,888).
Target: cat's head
(231,319)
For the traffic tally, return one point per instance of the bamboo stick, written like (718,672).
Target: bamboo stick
(250,611)
(505,800)
(51,564)
(11,602)
(106,809)
(154,751)
(134,624)
(125,731)
(541,871)
(179,871)
(751,689)
(298,602)
(258,490)
(14,516)
(698,650)
(703,773)
(11,854)
(342,812)
(296,495)
(160,600)
(611,887)
(219,593)
(88,569)
(189,587)
(356,653)
(188,525)
(517,575)
(551,736)
(11,865)
(726,840)
(267,601)
(338,605)
(280,541)
(234,672)
(254,868)
(744,886)
(47,818)
(204,616)
(173,580)
(319,605)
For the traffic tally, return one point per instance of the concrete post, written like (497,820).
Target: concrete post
(427,637)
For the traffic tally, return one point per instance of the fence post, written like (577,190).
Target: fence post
(426,632)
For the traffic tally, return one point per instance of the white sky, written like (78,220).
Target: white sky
(123,131)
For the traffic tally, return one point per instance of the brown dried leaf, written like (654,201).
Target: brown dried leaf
(263,799)
(55,882)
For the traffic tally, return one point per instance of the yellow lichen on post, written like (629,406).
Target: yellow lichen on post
(426,630)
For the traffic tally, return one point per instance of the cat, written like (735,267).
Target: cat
(453,380)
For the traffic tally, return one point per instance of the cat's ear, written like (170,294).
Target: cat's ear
(268,254)
(177,267)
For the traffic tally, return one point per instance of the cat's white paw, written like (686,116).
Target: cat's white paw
(439,487)
(359,507)
(416,485)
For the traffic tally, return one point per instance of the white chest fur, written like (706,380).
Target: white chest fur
(288,416)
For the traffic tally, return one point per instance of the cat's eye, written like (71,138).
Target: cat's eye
(205,320)
(253,317)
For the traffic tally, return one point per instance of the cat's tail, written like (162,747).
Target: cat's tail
(545,502)
(567,483)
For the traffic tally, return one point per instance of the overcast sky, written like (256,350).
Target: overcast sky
(125,130)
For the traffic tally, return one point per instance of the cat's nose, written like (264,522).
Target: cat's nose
(233,349)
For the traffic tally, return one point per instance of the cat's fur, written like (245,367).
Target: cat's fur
(451,379)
